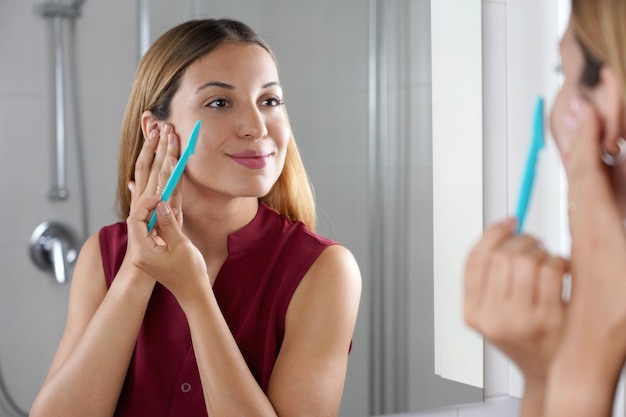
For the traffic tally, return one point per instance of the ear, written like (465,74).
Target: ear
(608,100)
(149,123)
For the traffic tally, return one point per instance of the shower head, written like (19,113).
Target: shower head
(55,9)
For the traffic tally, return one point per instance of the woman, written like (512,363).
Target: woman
(570,353)
(238,310)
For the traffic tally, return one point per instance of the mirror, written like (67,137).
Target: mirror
(358,85)
(357,81)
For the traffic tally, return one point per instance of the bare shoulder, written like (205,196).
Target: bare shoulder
(89,273)
(339,261)
(334,270)
(333,282)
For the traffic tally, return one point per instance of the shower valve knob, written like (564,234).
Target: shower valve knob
(53,249)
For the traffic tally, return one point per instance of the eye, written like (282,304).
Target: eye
(272,102)
(219,103)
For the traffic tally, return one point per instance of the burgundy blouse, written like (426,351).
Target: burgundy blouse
(266,261)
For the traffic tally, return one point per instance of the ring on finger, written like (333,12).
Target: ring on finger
(160,189)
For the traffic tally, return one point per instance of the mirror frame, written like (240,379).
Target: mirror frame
(457,198)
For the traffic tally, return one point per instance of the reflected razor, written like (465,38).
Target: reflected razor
(528,179)
(178,171)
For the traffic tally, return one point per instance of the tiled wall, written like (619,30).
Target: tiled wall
(32,306)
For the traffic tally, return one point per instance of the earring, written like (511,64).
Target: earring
(613,160)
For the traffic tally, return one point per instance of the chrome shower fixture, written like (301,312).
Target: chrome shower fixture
(53,248)
(57,12)
(55,9)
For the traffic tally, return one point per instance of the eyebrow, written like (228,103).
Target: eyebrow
(227,86)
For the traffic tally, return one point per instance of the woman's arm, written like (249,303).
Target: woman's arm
(91,362)
(309,374)
(586,370)
(89,367)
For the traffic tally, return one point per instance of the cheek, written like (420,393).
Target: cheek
(279,130)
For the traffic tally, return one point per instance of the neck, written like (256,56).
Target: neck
(208,222)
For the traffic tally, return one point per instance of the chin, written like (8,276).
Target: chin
(256,192)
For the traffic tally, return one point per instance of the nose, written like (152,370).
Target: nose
(251,123)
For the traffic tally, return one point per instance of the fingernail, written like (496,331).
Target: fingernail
(153,134)
(131,187)
(163,208)
(171,139)
(167,129)
(510,222)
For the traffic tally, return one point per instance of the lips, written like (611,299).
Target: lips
(251,159)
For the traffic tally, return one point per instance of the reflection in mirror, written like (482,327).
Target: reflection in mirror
(357,81)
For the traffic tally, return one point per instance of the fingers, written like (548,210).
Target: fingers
(156,159)
(513,274)
(479,259)
(550,280)
(530,260)
(169,228)
(155,164)
(145,160)
(142,210)
(176,200)
(160,170)
(509,273)
(586,135)
(591,198)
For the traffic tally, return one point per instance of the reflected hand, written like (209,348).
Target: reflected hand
(594,344)
(513,297)
(153,167)
(165,254)
(170,258)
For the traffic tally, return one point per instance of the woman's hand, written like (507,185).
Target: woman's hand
(587,367)
(597,231)
(513,297)
(165,253)
(153,168)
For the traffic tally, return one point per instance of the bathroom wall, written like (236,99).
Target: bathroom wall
(32,306)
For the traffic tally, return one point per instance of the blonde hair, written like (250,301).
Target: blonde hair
(156,81)
(600,28)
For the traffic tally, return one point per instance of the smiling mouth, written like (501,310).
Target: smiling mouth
(251,161)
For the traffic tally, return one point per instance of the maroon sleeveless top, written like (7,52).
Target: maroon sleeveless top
(266,261)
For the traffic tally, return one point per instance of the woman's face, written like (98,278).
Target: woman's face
(572,64)
(605,98)
(242,144)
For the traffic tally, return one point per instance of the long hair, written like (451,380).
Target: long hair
(156,81)
(600,28)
